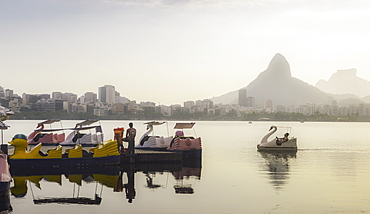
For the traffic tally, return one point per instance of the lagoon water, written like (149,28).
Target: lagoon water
(330,173)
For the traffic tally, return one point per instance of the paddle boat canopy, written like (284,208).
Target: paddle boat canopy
(83,133)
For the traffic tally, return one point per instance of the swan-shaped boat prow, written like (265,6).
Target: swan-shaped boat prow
(277,144)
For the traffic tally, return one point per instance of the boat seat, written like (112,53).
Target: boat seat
(60,137)
(68,140)
(96,138)
(55,153)
(85,139)
(77,136)
(47,139)
(76,152)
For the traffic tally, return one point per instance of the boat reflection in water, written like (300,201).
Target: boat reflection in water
(106,176)
(119,179)
(183,186)
(277,165)
(183,178)
(5,178)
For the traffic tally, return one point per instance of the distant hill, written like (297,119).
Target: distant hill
(229,98)
(349,102)
(277,84)
(345,82)
(366,99)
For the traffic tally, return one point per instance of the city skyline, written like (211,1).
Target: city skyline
(89,103)
(171,51)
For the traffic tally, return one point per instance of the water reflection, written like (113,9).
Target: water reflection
(183,186)
(277,166)
(5,206)
(103,176)
(38,183)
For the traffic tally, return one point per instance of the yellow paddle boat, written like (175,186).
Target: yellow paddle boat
(105,153)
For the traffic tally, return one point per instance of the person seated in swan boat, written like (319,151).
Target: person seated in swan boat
(280,141)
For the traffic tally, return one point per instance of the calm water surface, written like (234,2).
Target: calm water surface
(330,173)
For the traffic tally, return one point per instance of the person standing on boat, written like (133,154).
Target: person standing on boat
(130,138)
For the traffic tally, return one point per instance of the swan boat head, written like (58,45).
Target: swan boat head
(272,130)
(145,137)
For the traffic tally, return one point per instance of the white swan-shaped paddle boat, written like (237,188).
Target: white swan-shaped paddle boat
(277,144)
(147,141)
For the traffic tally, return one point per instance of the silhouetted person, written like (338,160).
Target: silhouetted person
(130,186)
(130,138)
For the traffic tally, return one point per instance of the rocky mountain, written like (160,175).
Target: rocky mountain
(276,83)
(345,82)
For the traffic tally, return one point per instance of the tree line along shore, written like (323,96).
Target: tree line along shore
(254,116)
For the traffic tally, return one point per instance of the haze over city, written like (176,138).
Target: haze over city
(172,51)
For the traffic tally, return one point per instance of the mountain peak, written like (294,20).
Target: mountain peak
(277,84)
(279,67)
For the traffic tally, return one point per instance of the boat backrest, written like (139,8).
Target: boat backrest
(48,139)
(61,137)
(85,139)
(97,138)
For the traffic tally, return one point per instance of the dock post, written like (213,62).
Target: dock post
(4,148)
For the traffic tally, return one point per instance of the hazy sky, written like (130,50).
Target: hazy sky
(170,51)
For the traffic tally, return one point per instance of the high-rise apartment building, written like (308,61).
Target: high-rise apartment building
(242,98)
(9,93)
(90,97)
(106,94)
(57,95)
(2,92)
(251,102)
